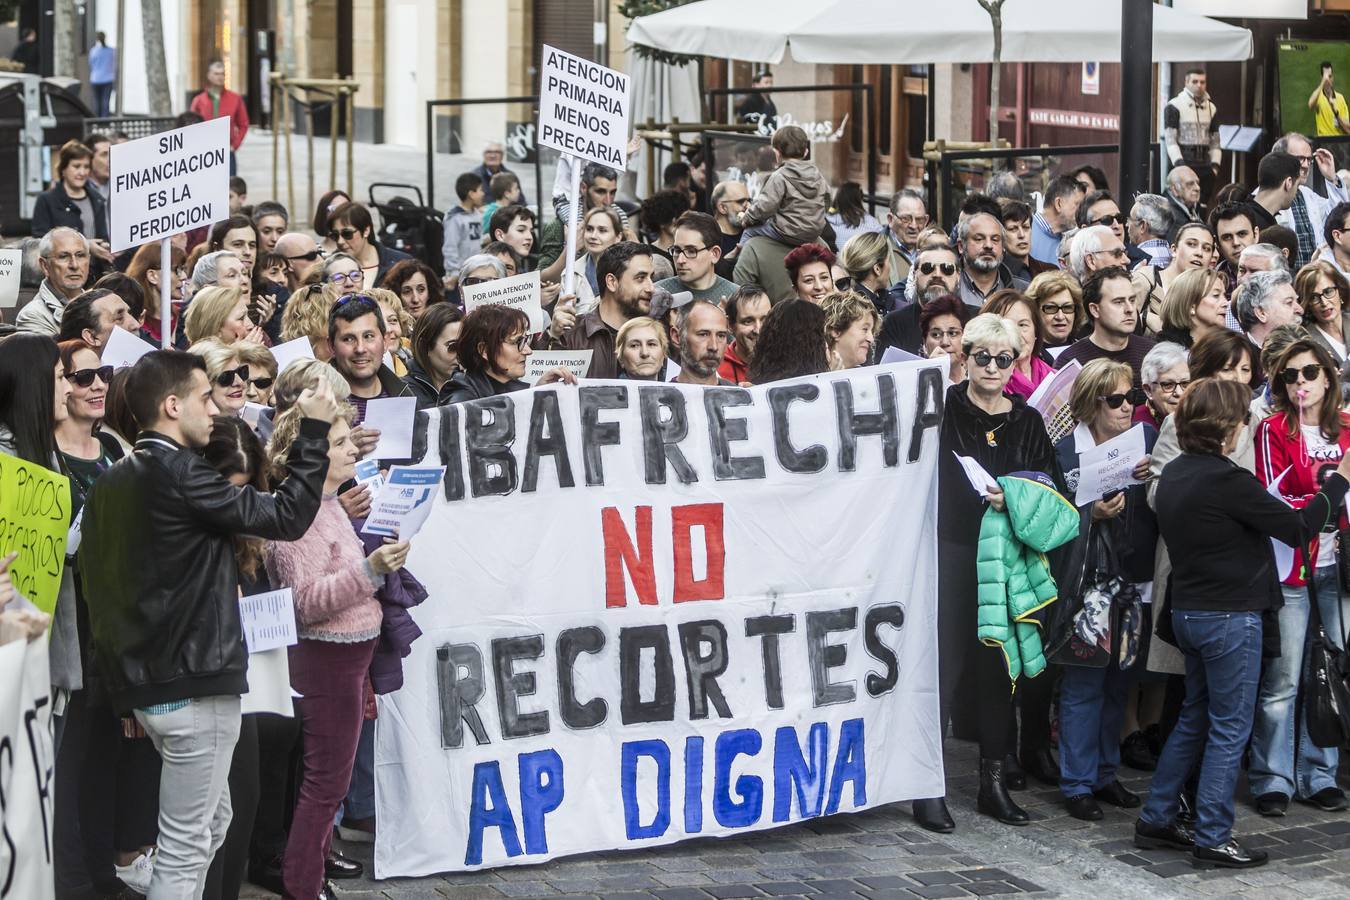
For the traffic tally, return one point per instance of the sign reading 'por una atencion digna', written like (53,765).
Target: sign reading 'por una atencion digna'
(169,183)
(660,611)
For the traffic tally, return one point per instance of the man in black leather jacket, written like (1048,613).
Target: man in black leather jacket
(158,569)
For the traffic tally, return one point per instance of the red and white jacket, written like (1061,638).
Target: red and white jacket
(1277,451)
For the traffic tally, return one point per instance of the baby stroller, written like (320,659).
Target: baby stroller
(408,225)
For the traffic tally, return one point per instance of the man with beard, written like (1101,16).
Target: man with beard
(907,218)
(935,275)
(982,270)
(1191,132)
(1108,297)
(356,333)
(624,274)
(700,332)
(747,309)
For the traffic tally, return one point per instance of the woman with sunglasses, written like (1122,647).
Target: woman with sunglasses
(228,375)
(1303,441)
(435,354)
(1058,301)
(343,272)
(1092,699)
(262,371)
(1218,520)
(1192,248)
(1003,435)
(350,228)
(1322,292)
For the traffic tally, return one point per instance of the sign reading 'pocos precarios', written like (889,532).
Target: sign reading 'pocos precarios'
(169,183)
(583,108)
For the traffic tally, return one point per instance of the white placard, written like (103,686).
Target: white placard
(1109,466)
(393,418)
(289,352)
(169,183)
(11,264)
(269,684)
(519,291)
(895,354)
(540,361)
(576,587)
(583,108)
(26,771)
(123,349)
(252,413)
(404,501)
(979,479)
(268,620)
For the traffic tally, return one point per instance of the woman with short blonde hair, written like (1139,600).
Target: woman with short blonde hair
(306,315)
(218,312)
(850,328)
(227,374)
(1196,305)
(1062,319)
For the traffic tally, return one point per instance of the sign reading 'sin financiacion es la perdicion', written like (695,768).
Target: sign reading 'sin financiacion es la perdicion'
(169,183)
(583,108)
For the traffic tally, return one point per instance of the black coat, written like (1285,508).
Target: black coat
(426,393)
(54,208)
(158,569)
(388,257)
(465,386)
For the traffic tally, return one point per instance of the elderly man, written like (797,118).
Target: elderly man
(1059,213)
(1183,192)
(1149,226)
(63,256)
(494,155)
(301,253)
(1265,301)
(1095,247)
(1307,214)
(907,218)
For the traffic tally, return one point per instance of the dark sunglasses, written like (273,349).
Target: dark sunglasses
(1110,220)
(1309,373)
(984,357)
(947,268)
(1134,396)
(226,378)
(308,257)
(345,233)
(471,280)
(85,377)
(261,384)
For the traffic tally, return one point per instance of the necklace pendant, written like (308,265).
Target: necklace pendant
(989,439)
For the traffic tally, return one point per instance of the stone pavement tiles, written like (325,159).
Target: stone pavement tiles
(881,854)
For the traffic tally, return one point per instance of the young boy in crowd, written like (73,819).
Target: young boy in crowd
(463,226)
(791,206)
(505,190)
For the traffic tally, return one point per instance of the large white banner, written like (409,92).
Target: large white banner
(659,611)
(26,772)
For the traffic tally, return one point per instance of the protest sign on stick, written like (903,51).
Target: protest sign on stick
(35,521)
(164,185)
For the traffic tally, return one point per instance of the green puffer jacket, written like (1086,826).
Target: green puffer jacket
(1014,575)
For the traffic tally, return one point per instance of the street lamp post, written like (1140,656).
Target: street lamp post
(1136,94)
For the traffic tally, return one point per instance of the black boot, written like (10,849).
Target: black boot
(1013,775)
(993,799)
(932,814)
(1041,765)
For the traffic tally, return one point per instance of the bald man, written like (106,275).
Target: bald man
(302,254)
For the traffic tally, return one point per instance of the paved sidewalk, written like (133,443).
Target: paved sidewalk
(882,855)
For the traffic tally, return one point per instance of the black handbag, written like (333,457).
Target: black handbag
(1325,687)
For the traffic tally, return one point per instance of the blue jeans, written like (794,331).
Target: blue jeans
(1223,669)
(102,99)
(1273,766)
(1091,708)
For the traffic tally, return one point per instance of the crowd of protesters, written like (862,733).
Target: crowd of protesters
(1220,323)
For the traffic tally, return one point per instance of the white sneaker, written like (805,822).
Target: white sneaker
(137,875)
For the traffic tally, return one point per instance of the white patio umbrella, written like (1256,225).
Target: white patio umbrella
(921,31)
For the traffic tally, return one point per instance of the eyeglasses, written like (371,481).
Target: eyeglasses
(686,252)
(1325,296)
(227,378)
(912,220)
(261,384)
(1134,397)
(349,277)
(926,268)
(471,280)
(1114,253)
(984,357)
(312,255)
(1309,373)
(1052,309)
(1109,220)
(520,343)
(345,233)
(938,334)
(1171,387)
(85,377)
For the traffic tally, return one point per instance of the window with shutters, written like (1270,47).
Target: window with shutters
(566,24)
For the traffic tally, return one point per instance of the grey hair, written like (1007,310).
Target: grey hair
(45,246)
(1281,145)
(1174,176)
(906,194)
(1253,294)
(990,330)
(207,269)
(333,258)
(1086,241)
(682,315)
(963,227)
(1268,251)
(30,273)
(1153,211)
(478,261)
(1162,357)
(1007,184)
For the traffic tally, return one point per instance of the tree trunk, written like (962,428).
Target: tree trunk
(996,14)
(156,71)
(65,39)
